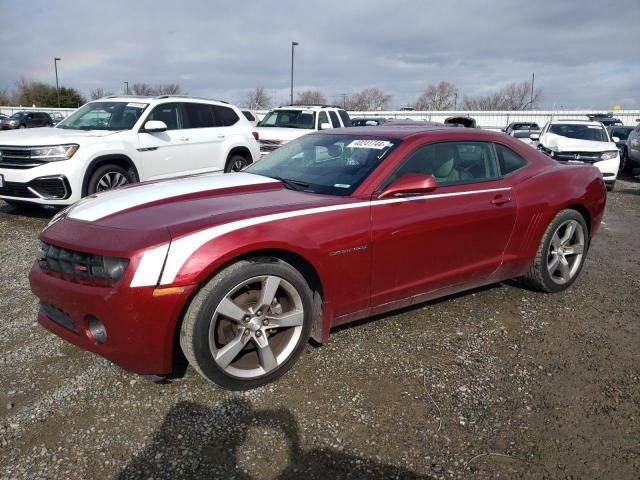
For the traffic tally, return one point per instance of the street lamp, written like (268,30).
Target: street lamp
(55,66)
(293,44)
(126,88)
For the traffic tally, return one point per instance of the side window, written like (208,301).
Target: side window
(248,115)
(199,115)
(169,113)
(322,118)
(509,160)
(226,116)
(334,119)
(452,163)
(346,121)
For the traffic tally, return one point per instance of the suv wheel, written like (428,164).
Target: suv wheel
(107,177)
(235,163)
(22,125)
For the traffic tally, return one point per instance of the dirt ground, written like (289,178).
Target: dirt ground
(500,382)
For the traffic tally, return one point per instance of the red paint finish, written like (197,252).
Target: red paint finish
(381,255)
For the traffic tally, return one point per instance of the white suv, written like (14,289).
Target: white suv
(118,140)
(581,141)
(283,124)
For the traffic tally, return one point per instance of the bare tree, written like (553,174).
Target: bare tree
(5,98)
(311,97)
(97,93)
(167,89)
(258,99)
(439,96)
(143,89)
(514,96)
(369,99)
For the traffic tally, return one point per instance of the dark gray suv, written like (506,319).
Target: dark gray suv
(26,120)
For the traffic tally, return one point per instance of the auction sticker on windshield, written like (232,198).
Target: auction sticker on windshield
(136,105)
(376,144)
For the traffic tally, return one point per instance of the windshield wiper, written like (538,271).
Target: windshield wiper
(293,184)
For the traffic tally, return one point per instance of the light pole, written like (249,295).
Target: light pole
(126,88)
(55,66)
(455,101)
(533,77)
(293,45)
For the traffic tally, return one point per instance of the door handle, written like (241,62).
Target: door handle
(220,135)
(184,139)
(501,200)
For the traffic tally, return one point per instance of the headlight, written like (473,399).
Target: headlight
(55,152)
(608,155)
(13,122)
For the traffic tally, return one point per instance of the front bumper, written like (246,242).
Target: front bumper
(140,326)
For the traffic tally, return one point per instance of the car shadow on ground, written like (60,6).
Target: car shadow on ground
(34,211)
(232,440)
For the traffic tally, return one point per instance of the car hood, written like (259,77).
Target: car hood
(286,134)
(185,205)
(48,136)
(558,143)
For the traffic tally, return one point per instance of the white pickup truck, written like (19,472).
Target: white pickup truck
(283,124)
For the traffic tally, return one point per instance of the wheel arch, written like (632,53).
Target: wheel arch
(582,210)
(240,150)
(120,160)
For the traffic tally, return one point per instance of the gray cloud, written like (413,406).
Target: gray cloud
(581,51)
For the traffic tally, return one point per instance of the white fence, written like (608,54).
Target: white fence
(488,120)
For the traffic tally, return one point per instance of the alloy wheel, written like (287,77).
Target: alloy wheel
(111,180)
(566,251)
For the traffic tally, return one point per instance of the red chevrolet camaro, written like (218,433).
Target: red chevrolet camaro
(237,271)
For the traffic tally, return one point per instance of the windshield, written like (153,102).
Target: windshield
(290,119)
(526,126)
(18,115)
(104,116)
(593,133)
(326,164)
(621,133)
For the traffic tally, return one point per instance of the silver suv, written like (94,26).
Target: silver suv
(119,140)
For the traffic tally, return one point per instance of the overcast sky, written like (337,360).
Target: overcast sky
(584,53)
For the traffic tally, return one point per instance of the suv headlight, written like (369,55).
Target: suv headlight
(54,153)
(608,155)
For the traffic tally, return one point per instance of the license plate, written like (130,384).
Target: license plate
(1,181)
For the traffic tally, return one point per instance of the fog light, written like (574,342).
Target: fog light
(96,330)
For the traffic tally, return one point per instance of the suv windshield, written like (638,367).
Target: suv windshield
(18,115)
(593,133)
(326,164)
(290,119)
(104,116)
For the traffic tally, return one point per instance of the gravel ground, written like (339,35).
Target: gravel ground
(500,382)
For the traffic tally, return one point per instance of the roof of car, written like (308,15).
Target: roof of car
(405,130)
(574,121)
(151,98)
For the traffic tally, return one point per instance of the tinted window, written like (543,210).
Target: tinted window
(334,119)
(226,115)
(322,118)
(290,119)
(509,160)
(199,115)
(169,113)
(452,162)
(621,133)
(346,121)
(248,115)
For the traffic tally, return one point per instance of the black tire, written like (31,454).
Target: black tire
(611,186)
(235,163)
(22,125)
(624,162)
(538,276)
(197,323)
(99,173)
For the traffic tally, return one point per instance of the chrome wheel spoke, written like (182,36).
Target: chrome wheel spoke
(230,351)
(267,358)
(568,232)
(565,271)
(574,250)
(269,288)
(555,240)
(553,265)
(231,310)
(290,319)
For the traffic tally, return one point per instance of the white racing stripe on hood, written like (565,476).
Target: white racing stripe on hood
(114,201)
(182,248)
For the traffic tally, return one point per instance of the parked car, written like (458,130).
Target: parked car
(633,150)
(283,124)
(580,141)
(367,122)
(467,122)
(238,271)
(520,126)
(26,120)
(524,136)
(607,119)
(2,115)
(251,117)
(119,140)
(622,132)
(56,117)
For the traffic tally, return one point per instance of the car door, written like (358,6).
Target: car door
(633,144)
(453,236)
(168,153)
(206,136)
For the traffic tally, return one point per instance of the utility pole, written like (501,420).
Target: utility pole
(126,88)
(455,101)
(293,45)
(533,77)
(55,66)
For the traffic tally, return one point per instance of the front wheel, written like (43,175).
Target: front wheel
(561,253)
(107,177)
(249,324)
(624,162)
(236,163)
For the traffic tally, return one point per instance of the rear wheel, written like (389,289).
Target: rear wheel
(624,162)
(22,125)
(249,324)
(235,163)
(561,253)
(107,177)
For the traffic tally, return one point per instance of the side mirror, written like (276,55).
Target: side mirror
(410,184)
(324,126)
(535,136)
(153,126)
(615,139)
(503,130)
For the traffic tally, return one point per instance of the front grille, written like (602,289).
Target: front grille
(59,316)
(45,188)
(72,265)
(19,158)
(270,145)
(586,157)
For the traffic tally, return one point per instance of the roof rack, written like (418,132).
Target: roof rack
(159,97)
(128,96)
(311,105)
